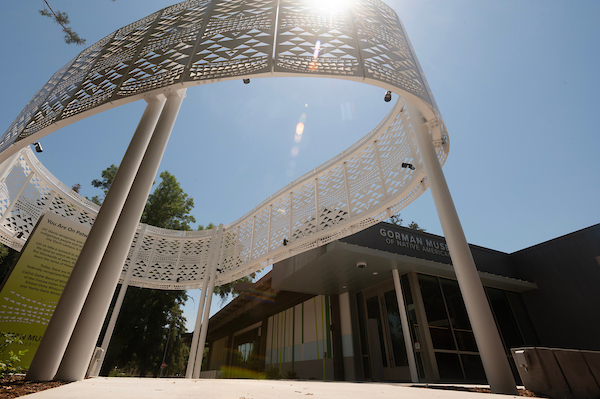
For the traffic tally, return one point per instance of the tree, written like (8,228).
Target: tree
(397,220)
(8,258)
(413,225)
(151,318)
(62,19)
(169,206)
(108,175)
(224,290)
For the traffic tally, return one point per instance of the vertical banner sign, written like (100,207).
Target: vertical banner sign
(37,281)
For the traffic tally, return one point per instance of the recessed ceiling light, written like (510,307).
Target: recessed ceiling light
(374,273)
(343,286)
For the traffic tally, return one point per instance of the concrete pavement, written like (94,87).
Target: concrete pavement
(166,388)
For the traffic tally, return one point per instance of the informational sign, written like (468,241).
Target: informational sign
(36,283)
(415,242)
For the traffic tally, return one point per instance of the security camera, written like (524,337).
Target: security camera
(408,165)
(361,265)
(246,81)
(38,147)
(388,96)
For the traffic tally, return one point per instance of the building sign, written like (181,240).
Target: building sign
(415,242)
(36,283)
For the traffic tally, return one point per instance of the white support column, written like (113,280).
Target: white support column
(410,354)
(192,358)
(488,340)
(81,346)
(56,338)
(6,166)
(110,329)
(209,293)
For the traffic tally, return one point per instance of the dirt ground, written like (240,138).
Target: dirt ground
(15,385)
(522,392)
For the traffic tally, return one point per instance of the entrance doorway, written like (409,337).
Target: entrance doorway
(386,348)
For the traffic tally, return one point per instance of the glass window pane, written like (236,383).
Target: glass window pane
(373,313)
(520,311)
(433,301)
(505,318)
(393,314)
(364,346)
(455,304)
(449,366)
(442,338)
(465,341)
(473,368)
(410,309)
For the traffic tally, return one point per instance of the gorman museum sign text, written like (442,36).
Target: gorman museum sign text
(413,242)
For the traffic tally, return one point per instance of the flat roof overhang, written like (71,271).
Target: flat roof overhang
(332,270)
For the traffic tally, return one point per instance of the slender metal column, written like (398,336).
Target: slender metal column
(54,342)
(110,329)
(192,358)
(84,338)
(410,354)
(488,340)
(209,293)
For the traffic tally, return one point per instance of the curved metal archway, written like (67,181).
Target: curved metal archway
(199,42)
(202,41)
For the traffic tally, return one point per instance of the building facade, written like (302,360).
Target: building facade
(333,313)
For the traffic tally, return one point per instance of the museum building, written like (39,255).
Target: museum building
(332,313)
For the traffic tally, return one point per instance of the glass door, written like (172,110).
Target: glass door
(389,361)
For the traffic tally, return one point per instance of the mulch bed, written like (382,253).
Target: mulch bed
(13,386)
(522,392)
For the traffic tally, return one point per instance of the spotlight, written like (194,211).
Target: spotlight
(178,279)
(388,96)
(19,234)
(38,147)
(246,81)
(408,165)
(285,242)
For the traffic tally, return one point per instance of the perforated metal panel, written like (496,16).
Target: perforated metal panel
(198,42)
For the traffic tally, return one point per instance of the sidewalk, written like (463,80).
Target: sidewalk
(165,388)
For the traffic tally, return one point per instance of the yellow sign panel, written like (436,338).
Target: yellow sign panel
(36,283)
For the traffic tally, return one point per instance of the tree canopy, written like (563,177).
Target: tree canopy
(151,319)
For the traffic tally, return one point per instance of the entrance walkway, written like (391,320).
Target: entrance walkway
(165,388)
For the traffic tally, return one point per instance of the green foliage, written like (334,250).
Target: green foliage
(9,365)
(108,175)
(150,319)
(397,220)
(208,227)
(273,373)
(413,225)
(169,206)
(291,375)
(224,290)
(62,19)
(8,257)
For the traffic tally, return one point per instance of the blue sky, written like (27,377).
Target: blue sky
(516,81)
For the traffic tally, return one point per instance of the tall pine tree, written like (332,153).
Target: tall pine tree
(151,319)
